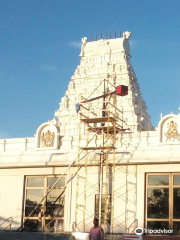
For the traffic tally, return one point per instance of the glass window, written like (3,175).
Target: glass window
(35,182)
(158,180)
(154,225)
(54,225)
(176,179)
(176,203)
(50,210)
(51,182)
(176,228)
(158,203)
(33,225)
(33,198)
(163,202)
(55,203)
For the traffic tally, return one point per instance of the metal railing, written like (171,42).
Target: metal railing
(9,225)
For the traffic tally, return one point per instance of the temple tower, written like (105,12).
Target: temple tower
(104,59)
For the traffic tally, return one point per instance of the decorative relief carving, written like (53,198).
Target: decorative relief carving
(47,139)
(172,132)
(102,48)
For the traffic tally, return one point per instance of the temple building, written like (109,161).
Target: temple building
(99,157)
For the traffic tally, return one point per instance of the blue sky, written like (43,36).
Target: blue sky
(39,52)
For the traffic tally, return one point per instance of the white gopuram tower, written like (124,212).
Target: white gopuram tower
(104,59)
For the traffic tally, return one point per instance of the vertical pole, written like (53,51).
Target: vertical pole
(100,189)
(126,203)
(78,164)
(104,105)
(85,180)
(101,166)
(135,202)
(113,174)
(122,128)
(107,168)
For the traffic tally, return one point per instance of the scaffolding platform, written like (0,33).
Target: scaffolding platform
(98,148)
(98,120)
(106,130)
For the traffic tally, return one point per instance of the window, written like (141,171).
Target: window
(163,201)
(49,215)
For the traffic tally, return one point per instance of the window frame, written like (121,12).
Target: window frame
(171,187)
(45,188)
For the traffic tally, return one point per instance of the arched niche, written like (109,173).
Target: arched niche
(47,136)
(169,129)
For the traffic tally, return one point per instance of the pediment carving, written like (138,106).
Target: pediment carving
(47,136)
(169,129)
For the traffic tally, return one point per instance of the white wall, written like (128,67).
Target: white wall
(12,191)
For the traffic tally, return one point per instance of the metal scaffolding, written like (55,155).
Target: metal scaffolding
(100,124)
(102,120)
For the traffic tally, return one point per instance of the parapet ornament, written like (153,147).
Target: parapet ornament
(169,129)
(47,136)
(84,41)
(47,139)
(172,131)
(126,35)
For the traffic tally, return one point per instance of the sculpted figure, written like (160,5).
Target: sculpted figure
(126,35)
(84,41)
(172,132)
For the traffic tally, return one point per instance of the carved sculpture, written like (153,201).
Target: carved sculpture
(126,35)
(47,139)
(172,132)
(84,41)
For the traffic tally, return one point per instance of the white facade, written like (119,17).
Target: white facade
(141,151)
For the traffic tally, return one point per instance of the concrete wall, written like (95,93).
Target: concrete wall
(12,192)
